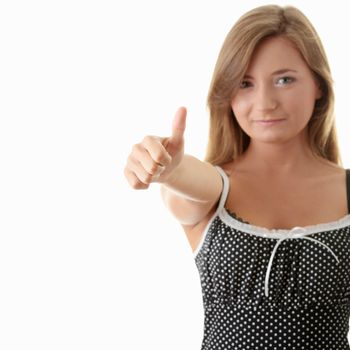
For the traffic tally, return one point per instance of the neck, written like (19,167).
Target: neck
(293,156)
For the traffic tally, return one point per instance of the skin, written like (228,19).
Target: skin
(278,172)
(280,149)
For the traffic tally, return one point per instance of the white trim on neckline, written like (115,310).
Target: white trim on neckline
(295,232)
(283,233)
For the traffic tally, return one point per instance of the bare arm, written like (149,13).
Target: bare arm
(192,190)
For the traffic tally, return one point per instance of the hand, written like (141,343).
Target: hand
(155,158)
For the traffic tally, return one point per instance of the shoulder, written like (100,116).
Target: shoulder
(330,170)
(325,166)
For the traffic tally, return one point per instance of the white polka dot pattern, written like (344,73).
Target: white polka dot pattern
(308,300)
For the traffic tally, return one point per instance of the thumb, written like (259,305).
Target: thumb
(178,127)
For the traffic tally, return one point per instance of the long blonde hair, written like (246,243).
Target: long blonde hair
(226,138)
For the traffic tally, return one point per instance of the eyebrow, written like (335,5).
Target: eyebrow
(280,71)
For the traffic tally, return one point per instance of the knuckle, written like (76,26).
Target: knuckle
(160,158)
(147,138)
(136,184)
(154,168)
(147,179)
(133,181)
(132,158)
(135,147)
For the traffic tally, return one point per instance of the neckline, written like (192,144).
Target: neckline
(296,231)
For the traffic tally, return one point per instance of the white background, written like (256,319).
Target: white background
(86,262)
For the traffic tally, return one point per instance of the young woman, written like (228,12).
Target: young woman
(267,211)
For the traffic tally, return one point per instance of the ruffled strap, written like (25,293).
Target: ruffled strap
(225,189)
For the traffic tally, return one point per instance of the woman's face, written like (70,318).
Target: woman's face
(265,94)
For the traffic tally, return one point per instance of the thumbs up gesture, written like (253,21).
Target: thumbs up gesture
(155,158)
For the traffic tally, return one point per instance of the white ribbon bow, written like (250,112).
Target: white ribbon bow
(275,249)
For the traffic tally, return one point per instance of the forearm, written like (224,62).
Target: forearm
(193,179)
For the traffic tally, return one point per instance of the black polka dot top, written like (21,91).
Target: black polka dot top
(274,288)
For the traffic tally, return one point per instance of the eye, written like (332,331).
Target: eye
(244,81)
(289,78)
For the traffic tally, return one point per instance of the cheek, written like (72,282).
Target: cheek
(300,106)
(241,114)
(241,109)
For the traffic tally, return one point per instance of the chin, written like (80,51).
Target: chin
(271,139)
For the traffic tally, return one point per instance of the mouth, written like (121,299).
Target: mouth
(269,121)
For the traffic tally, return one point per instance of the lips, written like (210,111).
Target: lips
(269,120)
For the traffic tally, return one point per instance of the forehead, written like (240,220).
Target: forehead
(275,53)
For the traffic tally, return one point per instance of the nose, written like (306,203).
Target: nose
(265,98)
